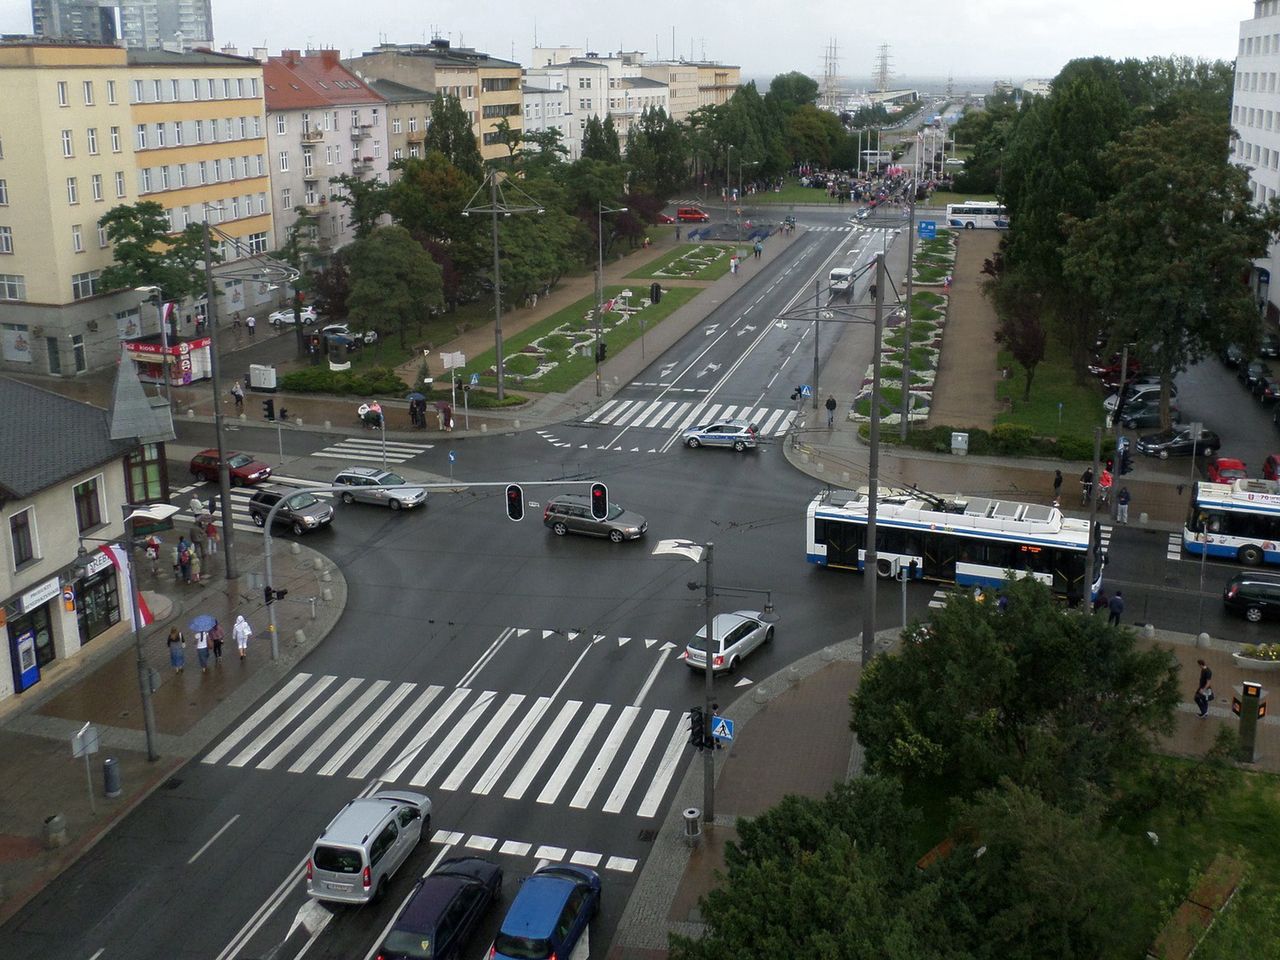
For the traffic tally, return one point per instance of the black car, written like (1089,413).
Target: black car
(1254,595)
(1177,442)
(443,911)
(1249,373)
(1267,388)
(1141,416)
(1232,355)
(1270,346)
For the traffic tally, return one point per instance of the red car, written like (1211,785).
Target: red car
(692,215)
(666,218)
(1226,469)
(245,471)
(1271,467)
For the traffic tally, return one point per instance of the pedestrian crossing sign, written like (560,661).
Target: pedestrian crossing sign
(722,728)
(806,390)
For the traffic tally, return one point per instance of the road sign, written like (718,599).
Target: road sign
(453,360)
(84,741)
(453,457)
(928,229)
(722,728)
(475,379)
(806,390)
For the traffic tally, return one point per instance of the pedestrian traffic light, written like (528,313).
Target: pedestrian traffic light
(269,596)
(599,501)
(268,409)
(795,394)
(697,728)
(602,351)
(515,502)
(655,292)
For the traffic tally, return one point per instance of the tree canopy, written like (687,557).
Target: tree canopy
(147,254)
(395,283)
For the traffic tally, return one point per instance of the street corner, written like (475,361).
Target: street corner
(705,866)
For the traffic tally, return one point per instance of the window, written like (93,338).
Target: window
(87,89)
(137,91)
(77,239)
(115,139)
(111,91)
(119,184)
(84,285)
(73,191)
(253,86)
(235,208)
(374,116)
(95,182)
(262,203)
(229,127)
(195,89)
(164,177)
(286,199)
(413,124)
(355,119)
(257,126)
(177,133)
(212,86)
(175,92)
(280,124)
(204,172)
(337,153)
(257,243)
(226,88)
(395,125)
(68,147)
(199,131)
(397,154)
(22,536)
(62,93)
(92,134)
(157,90)
(146,179)
(182,174)
(284,161)
(377,148)
(239,86)
(260,165)
(6,239)
(103,239)
(77,348)
(217,171)
(244,127)
(141,135)
(13,286)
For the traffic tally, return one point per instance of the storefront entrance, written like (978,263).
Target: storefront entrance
(98,608)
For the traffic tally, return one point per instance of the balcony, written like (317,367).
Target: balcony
(312,136)
(416,136)
(360,167)
(360,132)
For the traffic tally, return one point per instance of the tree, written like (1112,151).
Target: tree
(551,149)
(793,90)
(392,280)
(148,255)
(508,137)
(600,141)
(450,132)
(366,201)
(331,287)
(1059,703)
(1167,249)
(813,134)
(657,154)
(1018,305)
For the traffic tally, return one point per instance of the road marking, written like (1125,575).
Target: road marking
(262,739)
(339,725)
(208,843)
(469,677)
(419,742)
(531,766)
(221,750)
(653,674)
(600,765)
(639,754)
(389,739)
(496,769)
(314,719)
(666,769)
(481,743)
(574,753)
(621,864)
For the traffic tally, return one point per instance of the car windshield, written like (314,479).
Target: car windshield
(409,943)
(522,948)
(392,480)
(239,460)
(336,860)
(300,501)
(615,511)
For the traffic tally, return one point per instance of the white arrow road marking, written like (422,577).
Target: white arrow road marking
(622,641)
(653,675)
(649,642)
(710,331)
(747,329)
(311,917)
(521,631)
(744,682)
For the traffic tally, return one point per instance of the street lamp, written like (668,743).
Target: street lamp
(601,210)
(164,339)
(155,513)
(498,205)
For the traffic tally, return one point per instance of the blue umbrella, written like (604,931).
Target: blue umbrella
(202,623)
(415,396)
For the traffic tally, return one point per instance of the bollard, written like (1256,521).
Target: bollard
(828,654)
(242,416)
(110,778)
(1202,641)
(55,831)
(295,549)
(1148,631)
(692,825)
(326,595)
(191,414)
(760,695)
(326,577)
(297,421)
(312,601)
(317,563)
(299,636)
(844,477)
(328,425)
(1143,519)
(484,428)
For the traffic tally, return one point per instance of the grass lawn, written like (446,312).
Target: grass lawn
(792,192)
(1054,383)
(675,266)
(574,367)
(942,197)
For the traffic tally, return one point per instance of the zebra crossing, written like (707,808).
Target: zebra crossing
(617,758)
(830,228)
(240,497)
(679,415)
(1174,549)
(370,450)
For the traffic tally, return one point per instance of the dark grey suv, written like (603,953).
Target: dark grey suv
(571,513)
(301,511)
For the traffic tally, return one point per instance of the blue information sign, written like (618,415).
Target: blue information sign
(928,229)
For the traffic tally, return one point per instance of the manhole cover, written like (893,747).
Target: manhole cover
(173,783)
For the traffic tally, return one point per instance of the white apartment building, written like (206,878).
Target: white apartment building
(1255,122)
(582,89)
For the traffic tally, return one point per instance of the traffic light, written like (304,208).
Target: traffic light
(602,351)
(268,409)
(697,728)
(599,501)
(655,292)
(515,502)
(795,394)
(269,596)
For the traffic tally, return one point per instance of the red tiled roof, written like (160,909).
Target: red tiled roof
(317,79)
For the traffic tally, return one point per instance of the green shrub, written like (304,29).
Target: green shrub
(1011,438)
(521,364)
(371,382)
(555,343)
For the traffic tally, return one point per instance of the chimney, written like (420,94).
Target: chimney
(230,50)
(260,53)
(290,57)
(329,58)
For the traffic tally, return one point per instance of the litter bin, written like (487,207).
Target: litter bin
(110,778)
(692,825)
(960,444)
(55,831)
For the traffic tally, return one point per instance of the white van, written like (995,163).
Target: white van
(364,845)
(841,281)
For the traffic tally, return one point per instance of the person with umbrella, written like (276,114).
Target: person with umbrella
(201,628)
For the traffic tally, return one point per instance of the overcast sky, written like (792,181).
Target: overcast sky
(1013,39)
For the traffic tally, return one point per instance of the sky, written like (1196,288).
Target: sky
(1007,39)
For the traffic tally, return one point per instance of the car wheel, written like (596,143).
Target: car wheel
(559,529)
(396,504)
(1253,614)
(1164,454)
(298,529)
(733,665)
(692,443)
(615,536)
(739,445)
(258,519)
(1250,556)
(348,498)
(768,635)
(381,891)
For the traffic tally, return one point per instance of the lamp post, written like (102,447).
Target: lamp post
(154,512)
(164,340)
(498,205)
(601,210)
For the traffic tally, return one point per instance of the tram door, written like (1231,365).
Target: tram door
(940,558)
(844,540)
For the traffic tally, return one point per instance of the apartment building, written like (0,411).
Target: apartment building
(568,95)
(148,24)
(408,113)
(1255,122)
(717,82)
(681,81)
(488,88)
(86,128)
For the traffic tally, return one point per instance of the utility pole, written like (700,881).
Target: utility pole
(904,427)
(708,697)
(1093,521)
(870,559)
(497,282)
(817,327)
(224,473)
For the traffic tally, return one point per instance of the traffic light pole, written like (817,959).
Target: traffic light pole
(708,697)
(224,472)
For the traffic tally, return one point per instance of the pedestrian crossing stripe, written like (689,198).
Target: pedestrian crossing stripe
(598,755)
(680,415)
(1174,551)
(370,450)
(542,852)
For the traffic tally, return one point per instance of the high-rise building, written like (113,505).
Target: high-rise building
(150,24)
(91,21)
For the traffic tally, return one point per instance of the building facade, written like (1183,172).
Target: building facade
(1255,122)
(408,113)
(147,24)
(717,82)
(581,88)
(681,81)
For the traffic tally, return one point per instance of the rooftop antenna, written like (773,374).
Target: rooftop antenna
(535,33)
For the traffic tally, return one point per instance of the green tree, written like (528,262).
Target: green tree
(393,280)
(551,150)
(1165,252)
(813,134)
(508,137)
(793,90)
(148,255)
(1058,703)
(450,132)
(365,200)
(1019,307)
(657,154)
(600,140)
(331,286)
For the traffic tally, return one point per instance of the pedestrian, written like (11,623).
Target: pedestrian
(1104,487)
(249,324)
(184,559)
(202,650)
(831,410)
(873,291)
(1057,484)
(1086,485)
(447,416)
(153,553)
(199,536)
(211,531)
(677,233)
(1122,505)
(1204,692)
(237,394)
(194,566)
(215,637)
(1116,607)
(235,320)
(195,505)
(177,649)
(243,634)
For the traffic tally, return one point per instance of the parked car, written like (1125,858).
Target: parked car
(571,513)
(1267,388)
(1232,355)
(1225,469)
(344,330)
(1109,367)
(355,856)
(1141,390)
(1249,373)
(738,434)
(1178,442)
(666,218)
(736,635)
(1270,346)
(244,470)
(370,485)
(284,318)
(1254,595)
(443,911)
(551,911)
(301,510)
(1144,414)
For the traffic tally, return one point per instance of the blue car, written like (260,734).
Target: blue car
(549,914)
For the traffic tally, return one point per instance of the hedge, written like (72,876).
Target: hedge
(371,382)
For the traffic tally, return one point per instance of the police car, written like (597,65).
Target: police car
(738,434)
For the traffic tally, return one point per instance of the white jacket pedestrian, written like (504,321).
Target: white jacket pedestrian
(243,634)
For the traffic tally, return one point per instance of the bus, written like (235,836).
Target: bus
(1236,521)
(980,214)
(968,541)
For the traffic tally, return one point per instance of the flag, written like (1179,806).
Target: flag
(118,557)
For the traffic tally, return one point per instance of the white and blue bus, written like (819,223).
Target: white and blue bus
(1235,521)
(977,214)
(963,540)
